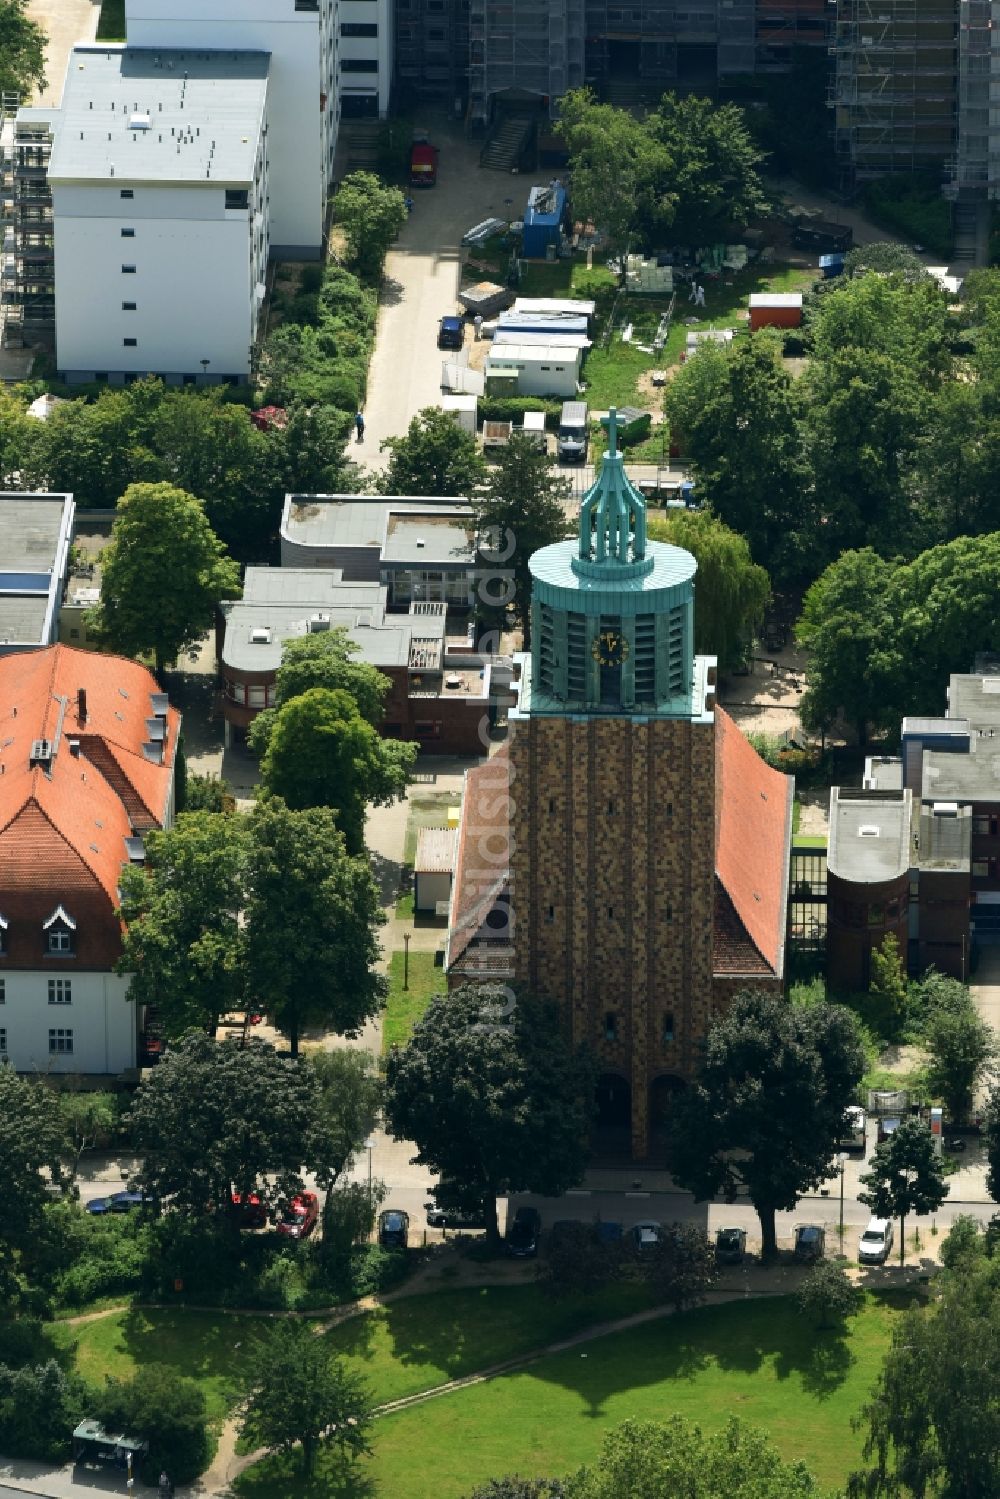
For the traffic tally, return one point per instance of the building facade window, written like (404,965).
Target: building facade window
(128,234)
(3,991)
(60,1041)
(130,343)
(237,197)
(359,64)
(59,942)
(358,28)
(129,306)
(668,1028)
(3,1041)
(128,270)
(126,192)
(611,1026)
(257,696)
(60,991)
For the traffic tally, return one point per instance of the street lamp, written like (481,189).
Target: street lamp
(406,960)
(841,1162)
(204,367)
(370,1146)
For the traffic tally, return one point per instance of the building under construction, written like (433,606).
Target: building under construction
(28,261)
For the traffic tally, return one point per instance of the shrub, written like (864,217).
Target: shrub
(311,278)
(512,409)
(166,1410)
(110,1259)
(39,1407)
(914,209)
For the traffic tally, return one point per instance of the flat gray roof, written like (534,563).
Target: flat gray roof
(869,834)
(413,540)
(926,726)
(976,698)
(35,531)
(309,585)
(945,839)
(145,115)
(883,773)
(352,520)
(972,777)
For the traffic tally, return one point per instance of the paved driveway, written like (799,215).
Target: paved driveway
(65,23)
(422,277)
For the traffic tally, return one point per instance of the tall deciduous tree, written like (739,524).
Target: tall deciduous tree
(847,627)
(733,592)
(651,1459)
(219,1116)
(767,1107)
(933,1422)
(906,1177)
(371,214)
(32,1140)
(961,1046)
(184,943)
(325,660)
(613,160)
(312,913)
(22,51)
(991,1132)
(713,180)
(164,571)
(301,1395)
(348,1097)
(521,510)
(734,414)
(432,457)
(323,753)
(493,1095)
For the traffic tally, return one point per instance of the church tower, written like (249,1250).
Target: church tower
(613,807)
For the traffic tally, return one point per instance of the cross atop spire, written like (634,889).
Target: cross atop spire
(613,513)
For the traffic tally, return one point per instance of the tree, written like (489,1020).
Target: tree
(521,510)
(991,1134)
(370,214)
(888,980)
(22,51)
(828,1295)
(886,258)
(88,1119)
(652,1459)
(713,181)
(348,1098)
(767,1107)
(681,1268)
(39,1407)
(494,1096)
(169,1411)
(208,793)
(933,1422)
(32,1140)
(961,1045)
(184,944)
(323,753)
(578,1262)
(850,634)
(905,320)
(301,1395)
(432,457)
(325,660)
(733,411)
(613,159)
(732,593)
(906,1177)
(313,442)
(222,1116)
(164,571)
(348,1219)
(312,913)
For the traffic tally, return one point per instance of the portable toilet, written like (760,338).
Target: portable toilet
(543,220)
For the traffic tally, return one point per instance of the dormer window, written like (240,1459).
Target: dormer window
(60,934)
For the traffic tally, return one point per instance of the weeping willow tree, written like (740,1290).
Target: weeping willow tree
(731,591)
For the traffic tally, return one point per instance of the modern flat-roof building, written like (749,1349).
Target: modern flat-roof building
(159,182)
(422,550)
(441,689)
(35,535)
(301,40)
(366,58)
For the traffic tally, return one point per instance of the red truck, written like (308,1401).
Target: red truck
(423,165)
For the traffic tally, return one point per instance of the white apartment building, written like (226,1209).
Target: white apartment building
(366,54)
(159,181)
(301,38)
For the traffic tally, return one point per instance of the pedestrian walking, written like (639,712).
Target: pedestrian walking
(477,323)
(359,426)
(699,300)
(693,293)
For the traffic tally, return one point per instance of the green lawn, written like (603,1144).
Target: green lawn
(111,26)
(758,1359)
(405,1006)
(205,1346)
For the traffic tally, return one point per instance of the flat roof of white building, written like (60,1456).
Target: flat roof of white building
(141,114)
(35,531)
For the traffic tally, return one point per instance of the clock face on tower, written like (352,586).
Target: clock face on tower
(610,648)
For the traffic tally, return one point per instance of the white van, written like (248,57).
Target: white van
(876,1242)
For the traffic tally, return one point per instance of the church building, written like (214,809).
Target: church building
(626,851)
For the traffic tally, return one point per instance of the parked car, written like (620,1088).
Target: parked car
(730,1246)
(646,1236)
(438,1217)
(393,1228)
(522,1235)
(451,333)
(810,1242)
(299,1218)
(822,236)
(249,1211)
(118,1202)
(875,1244)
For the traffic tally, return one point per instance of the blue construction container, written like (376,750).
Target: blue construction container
(831,265)
(542,219)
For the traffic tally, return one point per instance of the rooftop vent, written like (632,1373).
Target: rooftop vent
(318,623)
(139,122)
(260,635)
(453,681)
(868,830)
(420,541)
(41,752)
(946,809)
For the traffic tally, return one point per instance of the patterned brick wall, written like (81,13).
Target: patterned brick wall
(613,868)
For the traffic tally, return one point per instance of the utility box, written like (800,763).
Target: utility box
(533,428)
(464,409)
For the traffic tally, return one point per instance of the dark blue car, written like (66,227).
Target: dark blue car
(118,1202)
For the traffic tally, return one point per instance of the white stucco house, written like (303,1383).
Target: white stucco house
(88,748)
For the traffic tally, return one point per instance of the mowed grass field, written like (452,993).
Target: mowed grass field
(758,1359)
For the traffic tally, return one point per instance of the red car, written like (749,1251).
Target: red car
(249,1211)
(299,1218)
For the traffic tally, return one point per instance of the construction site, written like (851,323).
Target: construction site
(28,314)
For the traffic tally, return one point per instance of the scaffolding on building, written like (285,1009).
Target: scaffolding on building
(785,26)
(28,253)
(974,171)
(895,87)
(523,47)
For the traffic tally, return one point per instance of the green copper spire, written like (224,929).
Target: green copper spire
(613,513)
